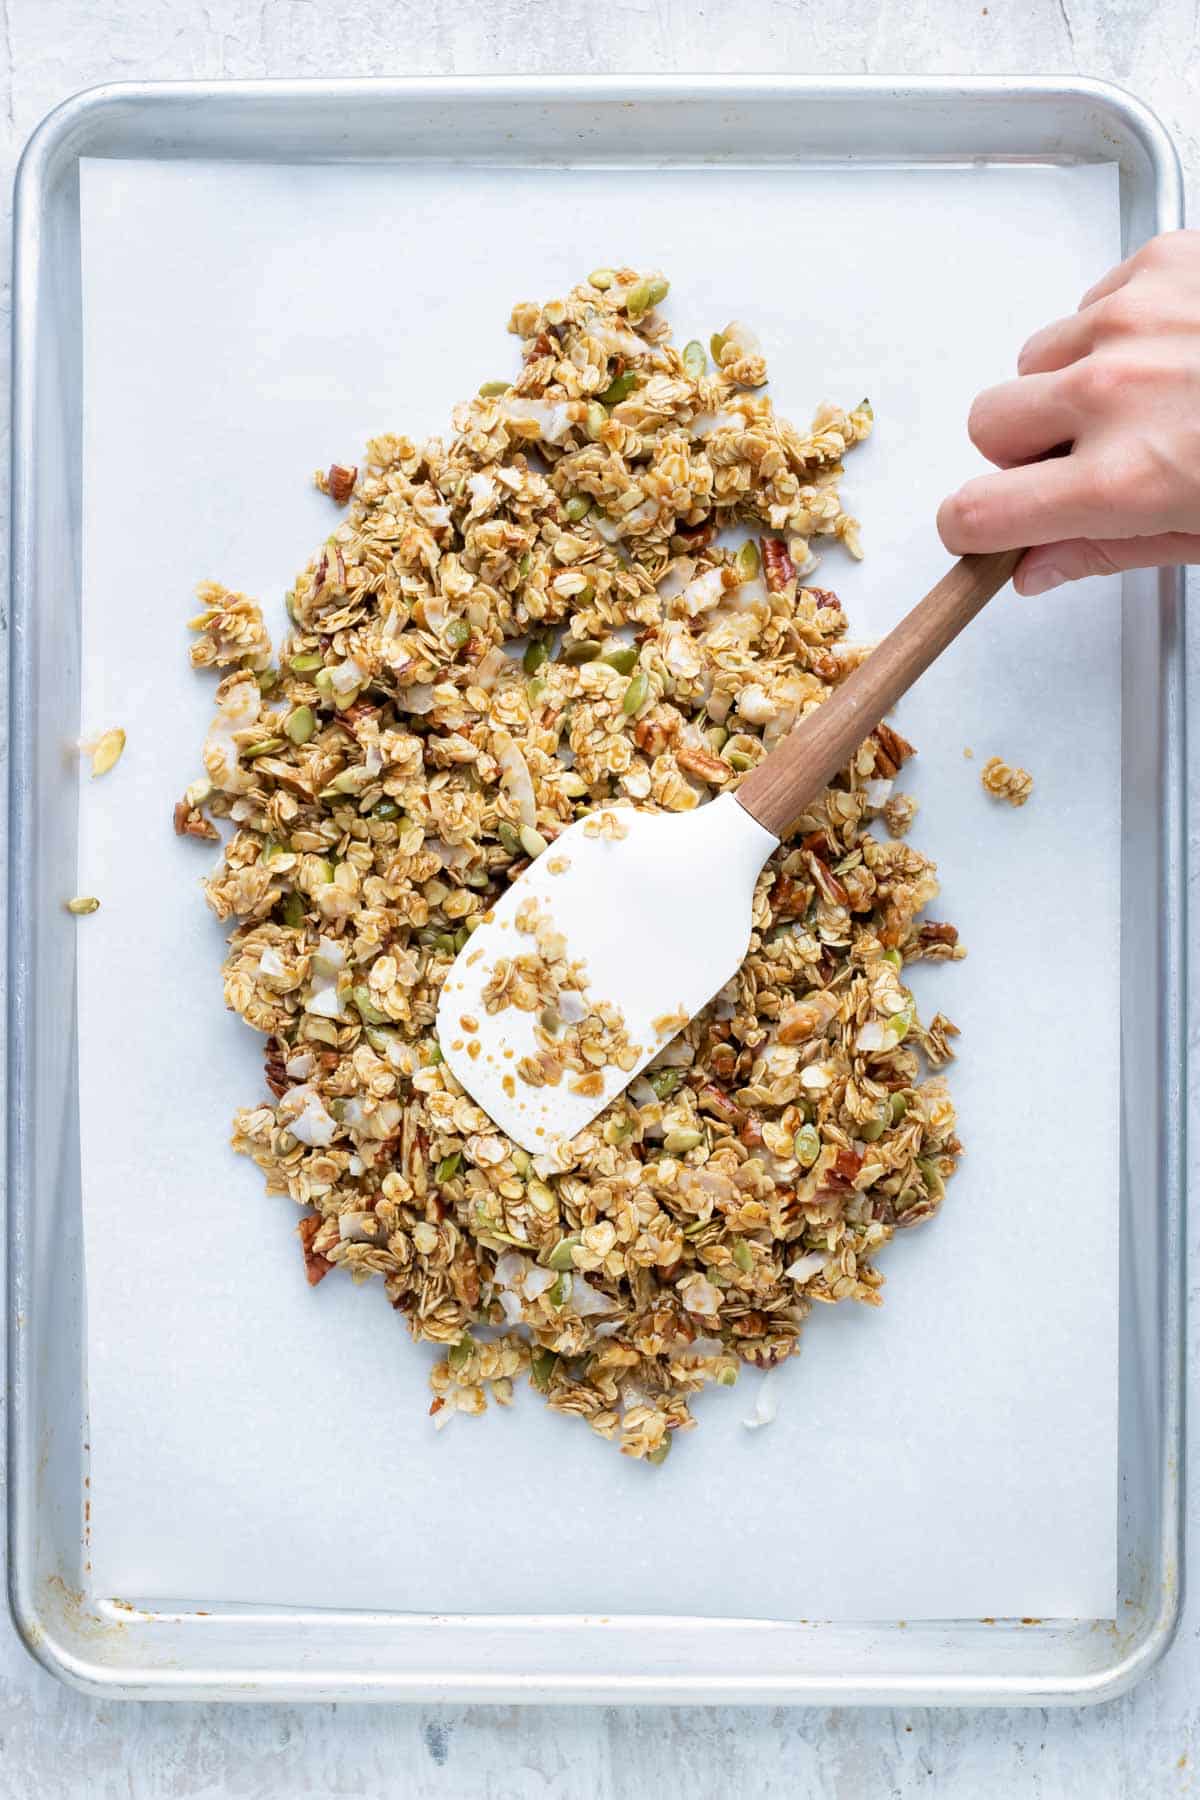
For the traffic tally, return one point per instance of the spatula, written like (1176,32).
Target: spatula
(656,906)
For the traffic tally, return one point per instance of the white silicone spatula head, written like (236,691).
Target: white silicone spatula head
(659,912)
(659,918)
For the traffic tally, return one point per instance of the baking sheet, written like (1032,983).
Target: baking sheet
(952,1455)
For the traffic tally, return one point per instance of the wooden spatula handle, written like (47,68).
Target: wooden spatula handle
(779,789)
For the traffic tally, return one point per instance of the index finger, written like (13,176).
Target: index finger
(1035,503)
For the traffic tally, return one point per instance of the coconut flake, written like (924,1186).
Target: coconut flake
(642,514)
(700,1296)
(805,1267)
(552,419)
(323,1000)
(604,527)
(482,489)
(379,1123)
(746,596)
(765,1405)
(356,1227)
(756,705)
(878,792)
(417,697)
(612,339)
(510,1306)
(680,652)
(745,341)
(871,1037)
(705,423)
(705,592)
(303,1113)
(516,779)
(677,576)
(489,668)
(537,1281)
(239,710)
(587,1300)
(300,1066)
(271,963)
(329,956)
(348,676)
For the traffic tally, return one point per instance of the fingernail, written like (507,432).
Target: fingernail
(1041,579)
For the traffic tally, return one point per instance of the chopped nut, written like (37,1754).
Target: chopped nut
(316,1267)
(704,765)
(777,566)
(190,822)
(339,483)
(399,766)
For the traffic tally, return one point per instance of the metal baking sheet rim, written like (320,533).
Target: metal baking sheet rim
(106,1647)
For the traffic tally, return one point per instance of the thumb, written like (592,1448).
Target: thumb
(1049,565)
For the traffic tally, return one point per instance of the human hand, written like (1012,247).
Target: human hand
(1119,381)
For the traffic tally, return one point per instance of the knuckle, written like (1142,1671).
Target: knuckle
(1098,381)
(1115,483)
(1123,314)
(1097,560)
(1155,483)
(1162,251)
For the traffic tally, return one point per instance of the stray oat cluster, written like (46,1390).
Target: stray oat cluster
(512,628)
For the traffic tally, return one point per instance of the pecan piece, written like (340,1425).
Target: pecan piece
(789,898)
(652,735)
(340,482)
(354,715)
(891,751)
(828,885)
(777,566)
(704,765)
(711,1100)
(276,1075)
(316,1267)
(847,1163)
(697,537)
(190,822)
(934,932)
(751,1134)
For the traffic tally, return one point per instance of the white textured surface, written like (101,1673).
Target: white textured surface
(53,1743)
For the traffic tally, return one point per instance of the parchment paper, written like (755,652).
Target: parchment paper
(953,1454)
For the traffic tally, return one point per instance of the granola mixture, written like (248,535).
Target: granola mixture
(528,622)
(577,1035)
(1005,783)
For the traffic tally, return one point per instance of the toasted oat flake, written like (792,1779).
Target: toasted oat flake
(899,813)
(667,1024)
(83,903)
(389,773)
(1004,783)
